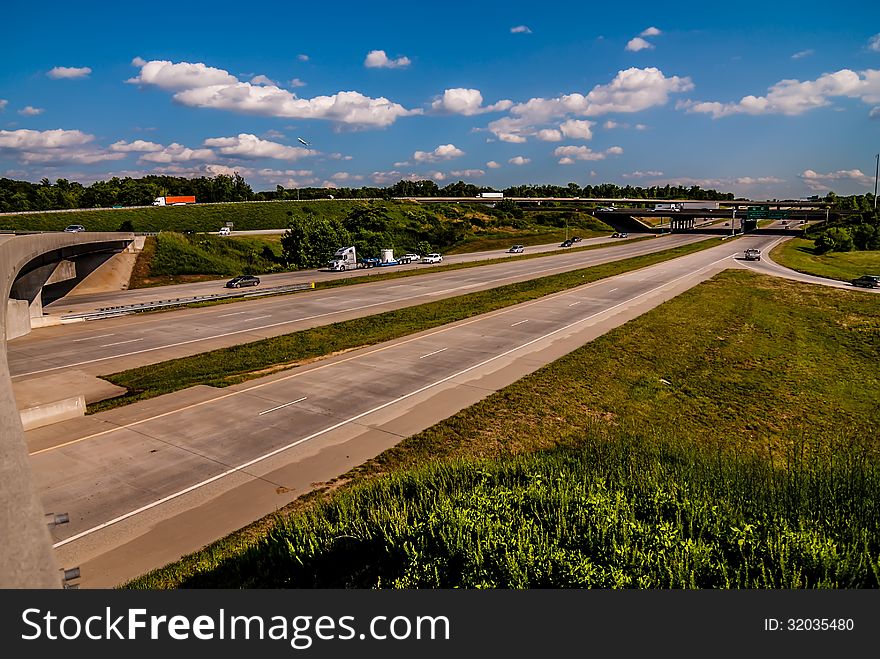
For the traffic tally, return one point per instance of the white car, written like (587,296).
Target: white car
(225,231)
(432,258)
(410,258)
(516,249)
(607,209)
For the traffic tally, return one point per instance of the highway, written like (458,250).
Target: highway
(145,483)
(107,346)
(149,482)
(79,303)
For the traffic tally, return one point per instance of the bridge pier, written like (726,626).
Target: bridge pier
(682,223)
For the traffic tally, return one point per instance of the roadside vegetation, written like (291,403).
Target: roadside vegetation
(227,366)
(801,254)
(726,439)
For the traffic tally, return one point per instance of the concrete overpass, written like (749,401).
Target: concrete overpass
(34,269)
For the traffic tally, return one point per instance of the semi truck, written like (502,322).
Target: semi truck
(698,205)
(667,207)
(346,258)
(491,195)
(173,201)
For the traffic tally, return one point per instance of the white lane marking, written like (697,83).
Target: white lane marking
(330,313)
(432,353)
(89,338)
(520,323)
(574,303)
(119,343)
(297,442)
(612,290)
(259,318)
(237,313)
(298,400)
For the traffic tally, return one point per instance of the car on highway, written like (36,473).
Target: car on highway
(566,243)
(243,280)
(868,281)
(607,209)
(516,249)
(575,239)
(74,228)
(224,231)
(410,258)
(433,257)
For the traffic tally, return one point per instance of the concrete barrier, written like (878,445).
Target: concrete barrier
(49,413)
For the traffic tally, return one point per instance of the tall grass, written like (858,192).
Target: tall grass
(635,510)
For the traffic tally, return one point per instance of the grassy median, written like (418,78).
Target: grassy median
(728,438)
(236,364)
(799,254)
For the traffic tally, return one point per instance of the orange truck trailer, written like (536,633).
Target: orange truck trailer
(173,201)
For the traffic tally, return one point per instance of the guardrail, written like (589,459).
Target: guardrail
(121,310)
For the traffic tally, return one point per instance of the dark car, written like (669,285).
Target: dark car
(868,281)
(243,280)
(576,239)
(567,243)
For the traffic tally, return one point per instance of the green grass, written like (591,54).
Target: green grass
(728,438)
(798,254)
(227,366)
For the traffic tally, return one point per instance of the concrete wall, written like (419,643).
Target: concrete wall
(26,556)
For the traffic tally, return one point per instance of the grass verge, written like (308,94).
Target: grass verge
(799,254)
(227,366)
(743,453)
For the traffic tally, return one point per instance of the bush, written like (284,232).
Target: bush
(836,239)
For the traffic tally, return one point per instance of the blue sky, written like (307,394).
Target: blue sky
(768,100)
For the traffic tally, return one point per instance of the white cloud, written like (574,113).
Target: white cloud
(302,57)
(608,125)
(30,111)
(183,75)
(467,173)
(576,129)
(177,153)
(3,104)
(793,97)
(637,43)
(197,85)
(437,176)
(519,160)
(803,53)
(467,102)
(492,165)
(69,72)
(42,139)
(262,80)
(549,135)
(377,59)
(296,82)
(640,127)
(401,163)
(569,154)
(55,147)
(345,176)
(246,145)
(874,43)
(874,113)
(760,180)
(631,90)
(442,152)
(138,146)
(650,32)
(638,174)
(274,134)
(820,182)
(520,29)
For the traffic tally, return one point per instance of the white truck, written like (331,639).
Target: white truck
(345,258)
(667,207)
(698,205)
(491,195)
(174,201)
